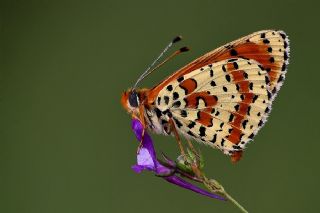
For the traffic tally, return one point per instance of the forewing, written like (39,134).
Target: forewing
(222,104)
(270,48)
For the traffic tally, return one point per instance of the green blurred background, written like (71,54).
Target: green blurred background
(66,144)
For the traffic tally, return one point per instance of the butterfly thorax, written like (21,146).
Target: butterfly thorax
(155,120)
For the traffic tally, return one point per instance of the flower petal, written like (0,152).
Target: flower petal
(144,158)
(147,160)
(147,144)
(138,168)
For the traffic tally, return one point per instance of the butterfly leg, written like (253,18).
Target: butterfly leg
(192,147)
(176,134)
(194,165)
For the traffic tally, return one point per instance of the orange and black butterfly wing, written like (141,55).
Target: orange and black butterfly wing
(223,98)
(222,104)
(270,48)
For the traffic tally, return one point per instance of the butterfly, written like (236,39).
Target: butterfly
(221,99)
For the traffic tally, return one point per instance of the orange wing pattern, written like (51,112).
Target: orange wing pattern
(225,106)
(270,48)
(223,98)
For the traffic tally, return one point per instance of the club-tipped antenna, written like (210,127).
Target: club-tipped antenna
(145,73)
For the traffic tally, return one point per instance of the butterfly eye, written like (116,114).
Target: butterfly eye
(133,99)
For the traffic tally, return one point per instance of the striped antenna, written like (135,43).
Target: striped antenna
(147,72)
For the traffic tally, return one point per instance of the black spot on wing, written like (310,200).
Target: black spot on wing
(231,117)
(283,35)
(280,78)
(244,123)
(235,65)
(222,142)
(180,79)
(175,95)
(248,110)
(266,41)
(267,79)
(176,104)
(236,147)
(261,67)
(202,131)
(211,73)
(228,78)
(214,139)
(267,110)
(245,75)
(225,89)
(236,107)
(274,90)
(183,113)
(251,86)
(271,59)
(169,88)
(269,95)
(166,100)
(224,68)
(251,136)
(191,124)
(238,87)
(233,52)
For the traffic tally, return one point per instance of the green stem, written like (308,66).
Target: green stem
(193,162)
(215,187)
(234,202)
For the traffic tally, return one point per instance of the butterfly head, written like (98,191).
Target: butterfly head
(130,100)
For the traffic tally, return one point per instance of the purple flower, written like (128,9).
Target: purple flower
(147,160)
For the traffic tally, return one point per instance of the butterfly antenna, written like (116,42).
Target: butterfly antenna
(147,71)
(181,50)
